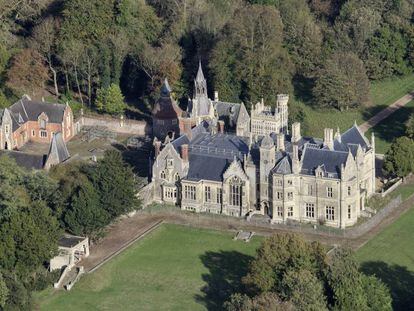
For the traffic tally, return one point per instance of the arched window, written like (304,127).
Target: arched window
(236,192)
(162,175)
(176,177)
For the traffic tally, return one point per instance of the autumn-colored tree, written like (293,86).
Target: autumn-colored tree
(28,73)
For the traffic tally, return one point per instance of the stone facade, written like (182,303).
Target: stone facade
(216,167)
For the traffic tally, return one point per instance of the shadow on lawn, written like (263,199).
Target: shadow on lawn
(399,280)
(225,272)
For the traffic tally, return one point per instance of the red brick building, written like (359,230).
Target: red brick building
(37,121)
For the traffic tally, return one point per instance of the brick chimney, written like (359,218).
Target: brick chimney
(220,126)
(328,138)
(280,140)
(184,152)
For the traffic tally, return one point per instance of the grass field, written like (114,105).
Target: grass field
(174,268)
(390,256)
(383,94)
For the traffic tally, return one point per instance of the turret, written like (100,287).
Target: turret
(200,83)
(282,108)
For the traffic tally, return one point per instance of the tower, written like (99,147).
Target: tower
(282,109)
(200,84)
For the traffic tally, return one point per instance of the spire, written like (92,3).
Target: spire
(165,88)
(200,74)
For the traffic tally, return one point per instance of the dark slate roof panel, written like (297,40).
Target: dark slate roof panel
(354,136)
(207,168)
(177,143)
(228,112)
(29,110)
(284,166)
(26,160)
(314,157)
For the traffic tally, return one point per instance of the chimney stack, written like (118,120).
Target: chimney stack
(220,126)
(157,146)
(216,96)
(295,159)
(328,138)
(184,152)
(280,140)
(296,136)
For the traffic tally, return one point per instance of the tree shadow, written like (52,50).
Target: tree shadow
(399,280)
(226,269)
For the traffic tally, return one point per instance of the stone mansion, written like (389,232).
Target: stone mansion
(216,158)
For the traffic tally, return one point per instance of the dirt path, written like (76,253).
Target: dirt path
(386,112)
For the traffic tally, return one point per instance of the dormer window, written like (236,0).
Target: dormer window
(170,163)
(42,123)
(162,175)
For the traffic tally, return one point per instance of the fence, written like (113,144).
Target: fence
(206,220)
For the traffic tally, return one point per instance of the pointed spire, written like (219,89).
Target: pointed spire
(165,88)
(200,74)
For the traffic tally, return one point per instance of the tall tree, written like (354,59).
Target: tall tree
(110,100)
(28,73)
(342,82)
(399,159)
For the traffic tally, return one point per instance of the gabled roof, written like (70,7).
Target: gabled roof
(166,108)
(58,148)
(205,167)
(200,74)
(315,157)
(26,160)
(354,136)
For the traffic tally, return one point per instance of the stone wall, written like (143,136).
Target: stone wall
(117,125)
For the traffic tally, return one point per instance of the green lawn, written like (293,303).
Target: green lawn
(390,256)
(174,268)
(392,127)
(383,94)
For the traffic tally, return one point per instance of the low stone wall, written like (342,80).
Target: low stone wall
(117,125)
(391,189)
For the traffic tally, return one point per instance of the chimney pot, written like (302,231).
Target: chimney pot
(296,135)
(328,138)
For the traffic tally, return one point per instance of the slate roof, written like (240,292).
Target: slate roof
(284,166)
(26,160)
(331,160)
(211,155)
(69,241)
(58,148)
(166,108)
(354,136)
(29,110)
(228,112)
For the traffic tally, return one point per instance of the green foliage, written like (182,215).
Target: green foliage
(110,100)
(410,126)
(85,215)
(115,184)
(4,292)
(4,102)
(399,159)
(378,295)
(342,82)
(386,54)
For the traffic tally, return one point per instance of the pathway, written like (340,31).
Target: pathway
(383,114)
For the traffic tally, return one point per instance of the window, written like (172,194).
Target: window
(170,162)
(290,195)
(329,192)
(330,213)
(349,211)
(219,195)
(279,183)
(7,128)
(173,122)
(170,193)
(43,134)
(190,192)
(279,211)
(207,193)
(162,175)
(310,210)
(235,194)
(279,195)
(42,123)
(33,133)
(290,182)
(349,190)
(176,177)
(310,189)
(290,211)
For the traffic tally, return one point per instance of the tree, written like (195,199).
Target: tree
(263,302)
(410,126)
(110,100)
(85,215)
(342,82)
(345,281)
(378,295)
(250,55)
(28,73)
(44,36)
(115,184)
(304,290)
(4,292)
(399,159)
